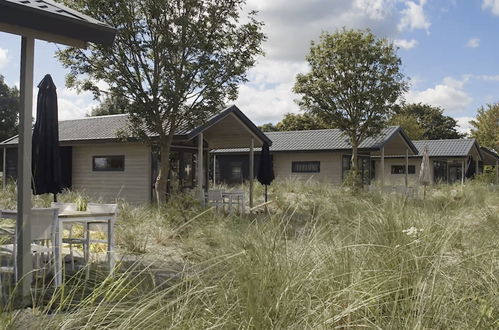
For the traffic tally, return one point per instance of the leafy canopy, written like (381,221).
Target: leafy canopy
(9,110)
(486,126)
(175,62)
(353,84)
(434,123)
(296,122)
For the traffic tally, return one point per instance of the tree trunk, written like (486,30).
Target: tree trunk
(355,179)
(164,169)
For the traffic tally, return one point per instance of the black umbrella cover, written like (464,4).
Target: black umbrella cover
(266,167)
(46,162)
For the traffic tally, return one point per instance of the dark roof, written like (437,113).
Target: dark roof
(446,148)
(107,127)
(239,114)
(490,152)
(46,16)
(323,139)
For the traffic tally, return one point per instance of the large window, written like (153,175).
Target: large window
(400,169)
(236,171)
(108,163)
(305,167)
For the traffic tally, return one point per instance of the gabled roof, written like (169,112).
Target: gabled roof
(447,148)
(105,128)
(325,140)
(47,20)
(234,110)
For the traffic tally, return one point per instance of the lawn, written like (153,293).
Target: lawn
(318,257)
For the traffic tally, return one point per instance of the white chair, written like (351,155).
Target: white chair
(71,240)
(43,226)
(100,208)
(215,198)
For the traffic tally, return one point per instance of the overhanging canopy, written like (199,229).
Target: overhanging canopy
(54,22)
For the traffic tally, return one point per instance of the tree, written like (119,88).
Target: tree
(410,125)
(486,126)
(110,105)
(432,120)
(353,84)
(9,110)
(268,127)
(175,62)
(301,122)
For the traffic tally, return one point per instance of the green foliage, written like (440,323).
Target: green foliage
(9,110)
(431,120)
(486,126)
(354,83)
(268,127)
(110,105)
(173,63)
(410,125)
(317,259)
(301,122)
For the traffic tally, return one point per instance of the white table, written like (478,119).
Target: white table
(83,217)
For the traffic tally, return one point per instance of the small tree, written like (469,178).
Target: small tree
(486,126)
(175,62)
(354,84)
(9,110)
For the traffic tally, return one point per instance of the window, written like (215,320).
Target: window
(400,169)
(109,163)
(305,167)
(236,171)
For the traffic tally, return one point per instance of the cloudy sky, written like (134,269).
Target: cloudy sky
(448,48)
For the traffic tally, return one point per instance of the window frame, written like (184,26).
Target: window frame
(96,169)
(411,169)
(307,162)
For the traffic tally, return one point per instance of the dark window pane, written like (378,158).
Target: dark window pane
(400,169)
(306,167)
(109,163)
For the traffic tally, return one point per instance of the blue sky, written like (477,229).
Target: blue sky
(448,48)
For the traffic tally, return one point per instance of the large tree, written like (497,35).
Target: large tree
(486,126)
(296,122)
(410,125)
(353,84)
(432,120)
(176,62)
(110,105)
(9,110)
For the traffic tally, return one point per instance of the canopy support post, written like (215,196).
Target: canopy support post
(406,168)
(476,167)
(382,176)
(214,170)
(200,164)
(251,171)
(463,169)
(23,255)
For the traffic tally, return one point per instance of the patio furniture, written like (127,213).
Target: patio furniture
(215,198)
(100,208)
(105,218)
(71,240)
(43,226)
(234,197)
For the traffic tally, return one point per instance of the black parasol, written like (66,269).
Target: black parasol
(47,177)
(265,168)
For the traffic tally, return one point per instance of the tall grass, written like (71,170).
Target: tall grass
(318,258)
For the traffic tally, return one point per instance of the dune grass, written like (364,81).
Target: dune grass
(318,258)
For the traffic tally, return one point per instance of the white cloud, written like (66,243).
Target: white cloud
(450,95)
(473,43)
(4,58)
(492,5)
(405,44)
(463,124)
(413,17)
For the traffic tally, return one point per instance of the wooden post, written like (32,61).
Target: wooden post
(4,169)
(497,171)
(382,176)
(463,169)
(214,170)
(200,168)
(251,171)
(406,167)
(206,171)
(23,256)
(476,167)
